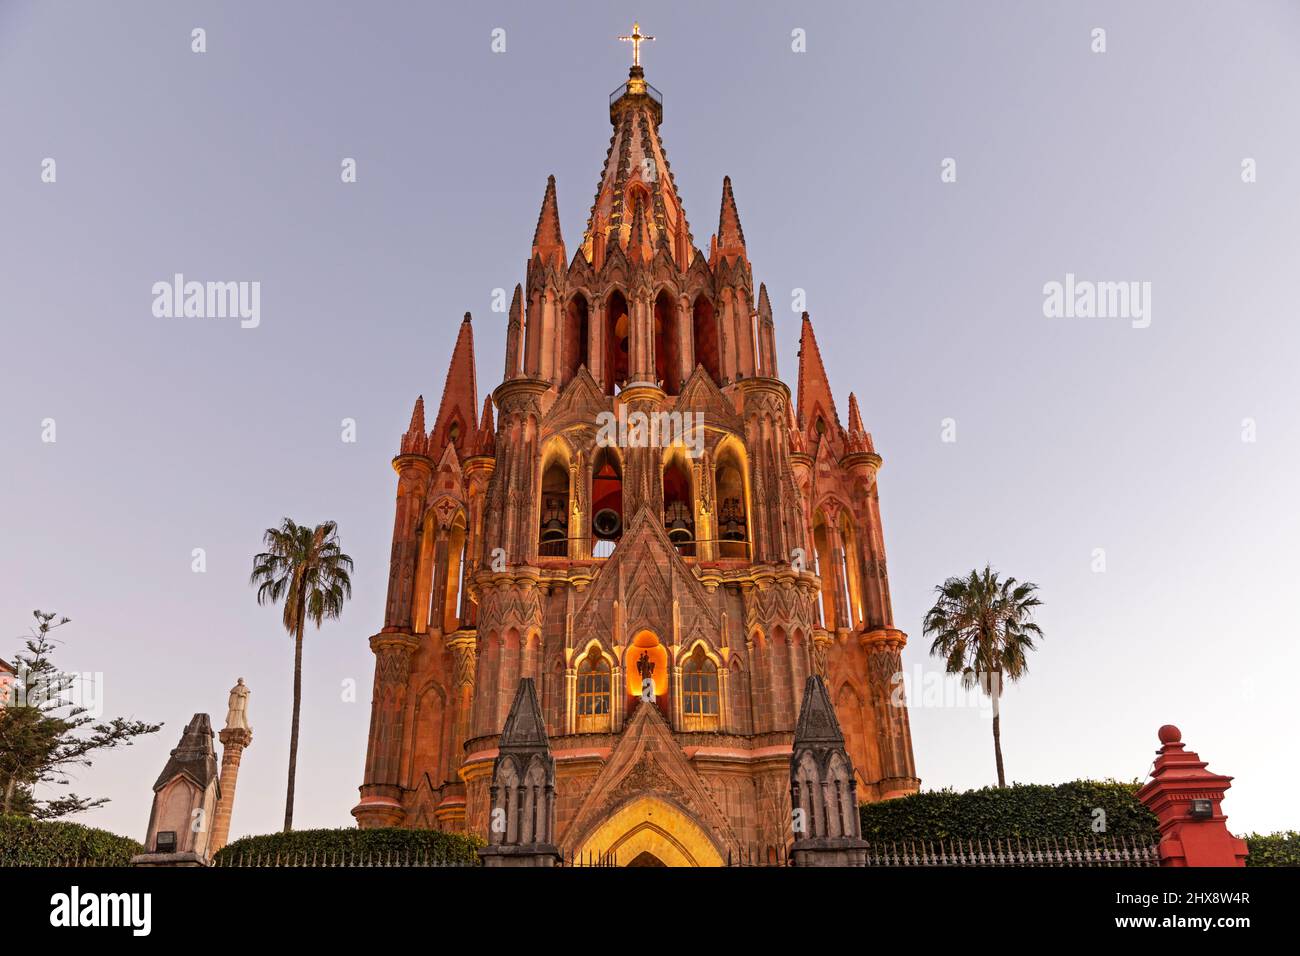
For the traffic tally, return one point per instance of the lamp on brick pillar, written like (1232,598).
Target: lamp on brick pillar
(1186,799)
(234,737)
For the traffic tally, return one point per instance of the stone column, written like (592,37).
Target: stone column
(381,793)
(233,741)
(234,738)
(884,671)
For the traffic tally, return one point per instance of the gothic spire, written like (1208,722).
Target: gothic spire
(640,243)
(414,440)
(487,438)
(815,402)
(456,412)
(766,335)
(859,439)
(548,242)
(515,334)
(731,237)
(855,416)
(636,169)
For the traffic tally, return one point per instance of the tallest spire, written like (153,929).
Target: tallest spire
(636,173)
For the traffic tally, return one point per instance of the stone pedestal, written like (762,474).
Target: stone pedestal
(185,800)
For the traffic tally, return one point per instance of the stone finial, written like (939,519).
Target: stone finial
(823,788)
(521,825)
(1187,801)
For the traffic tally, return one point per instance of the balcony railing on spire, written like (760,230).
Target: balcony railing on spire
(625,88)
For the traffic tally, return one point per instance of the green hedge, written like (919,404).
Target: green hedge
(27,842)
(1020,810)
(1273,849)
(350,843)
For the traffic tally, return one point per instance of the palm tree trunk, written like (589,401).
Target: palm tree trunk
(997,740)
(293,733)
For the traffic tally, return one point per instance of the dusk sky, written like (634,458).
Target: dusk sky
(1173,448)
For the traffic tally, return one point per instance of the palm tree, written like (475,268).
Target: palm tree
(304,568)
(983,629)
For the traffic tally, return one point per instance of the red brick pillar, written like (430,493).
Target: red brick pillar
(1186,799)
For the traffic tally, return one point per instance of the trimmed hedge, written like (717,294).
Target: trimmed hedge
(1273,849)
(1020,810)
(352,842)
(27,842)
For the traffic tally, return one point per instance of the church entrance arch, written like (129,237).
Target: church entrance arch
(649,826)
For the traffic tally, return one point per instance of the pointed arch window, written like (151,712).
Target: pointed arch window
(593,693)
(705,337)
(700,691)
(667,341)
(617,338)
(576,333)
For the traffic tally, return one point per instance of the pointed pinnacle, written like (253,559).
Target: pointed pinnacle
(547,238)
(516,305)
(730,233)
(855,416)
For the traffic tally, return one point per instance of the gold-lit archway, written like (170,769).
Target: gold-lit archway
(650,825)
(646,645)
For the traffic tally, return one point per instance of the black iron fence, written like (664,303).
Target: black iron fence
(1053,851)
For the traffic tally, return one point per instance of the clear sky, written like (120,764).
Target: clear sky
(1072,434)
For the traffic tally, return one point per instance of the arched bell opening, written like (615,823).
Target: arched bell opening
(606,502)
(679,503)
(733,510)
(553,530)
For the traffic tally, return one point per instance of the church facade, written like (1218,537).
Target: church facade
(643,520)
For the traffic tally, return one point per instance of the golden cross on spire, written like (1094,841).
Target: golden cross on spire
(635,39)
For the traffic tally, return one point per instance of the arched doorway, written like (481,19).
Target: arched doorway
(650,826)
